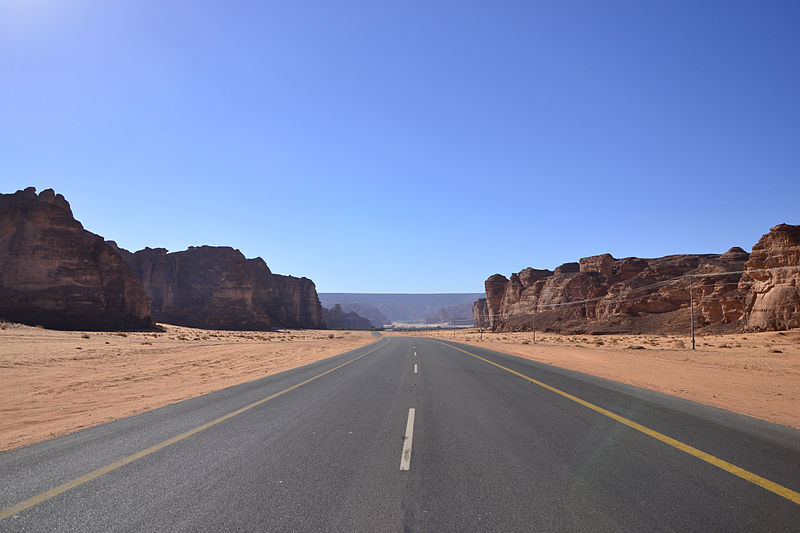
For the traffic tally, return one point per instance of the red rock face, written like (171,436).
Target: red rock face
(773,296)
(495,294)
(56,274)
(216,287)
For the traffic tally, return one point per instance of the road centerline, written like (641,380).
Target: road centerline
(405,456)
(762,482)
(64,487)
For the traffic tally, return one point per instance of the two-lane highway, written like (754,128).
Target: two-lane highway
(413,434)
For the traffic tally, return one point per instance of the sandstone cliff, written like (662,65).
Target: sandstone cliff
(56,274)
(336,318)
(773,296)
(216,287)
(601,294)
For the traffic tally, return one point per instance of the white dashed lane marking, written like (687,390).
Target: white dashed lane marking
(405,458)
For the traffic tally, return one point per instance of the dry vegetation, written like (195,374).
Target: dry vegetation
(56,382)
(757,374)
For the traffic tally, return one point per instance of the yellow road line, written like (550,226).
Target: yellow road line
(30,502)
(771,486)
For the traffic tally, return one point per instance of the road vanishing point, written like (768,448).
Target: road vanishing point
(413,434)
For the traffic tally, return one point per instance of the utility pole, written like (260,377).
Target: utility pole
(481,329)
(533,328)
(691,308)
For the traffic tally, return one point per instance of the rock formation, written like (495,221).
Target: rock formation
(480,313)
(336,318)
(601,294)
(617,295)
(56,274)
(773,296)
(216,287)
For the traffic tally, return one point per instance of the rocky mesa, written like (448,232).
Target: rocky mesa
(56,274)
(216,287)
(601,294)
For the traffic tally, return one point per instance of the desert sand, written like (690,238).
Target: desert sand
(57,382)
(756,374)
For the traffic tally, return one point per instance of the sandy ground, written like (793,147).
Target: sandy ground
(57,382)
(756,374)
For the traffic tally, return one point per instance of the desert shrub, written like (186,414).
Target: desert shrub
(85,336)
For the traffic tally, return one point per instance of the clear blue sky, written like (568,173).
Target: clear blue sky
(408,146)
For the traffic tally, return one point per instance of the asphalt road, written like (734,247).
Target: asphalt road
(516,447)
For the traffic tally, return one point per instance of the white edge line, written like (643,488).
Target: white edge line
(405,458)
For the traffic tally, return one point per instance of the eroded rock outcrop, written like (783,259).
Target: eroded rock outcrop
(216,287)
(634,295)
(56,274)
(772,281)
(603,294)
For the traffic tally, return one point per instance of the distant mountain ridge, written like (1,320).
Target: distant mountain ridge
(403,308)
(373,314)
(337,318)
(460,314)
